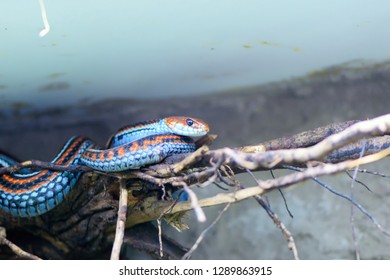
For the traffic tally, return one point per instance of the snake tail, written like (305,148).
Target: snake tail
(35,193)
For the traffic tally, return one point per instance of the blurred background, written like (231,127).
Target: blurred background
(254,70)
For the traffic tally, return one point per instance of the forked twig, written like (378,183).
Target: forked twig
(357,205)
(286,233)
(198,169)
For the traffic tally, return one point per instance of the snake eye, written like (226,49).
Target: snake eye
(189,122)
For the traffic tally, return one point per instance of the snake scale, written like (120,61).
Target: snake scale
(29,194)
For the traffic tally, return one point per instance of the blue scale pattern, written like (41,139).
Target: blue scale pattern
(139,158)
(41,200)
(38,201)
(139,131)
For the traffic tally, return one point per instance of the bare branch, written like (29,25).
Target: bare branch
(37,164)
(195,204)
(286,233)
(281,182)
(121,221)
(335,148)
(306,138)
(191,159)
(16,249)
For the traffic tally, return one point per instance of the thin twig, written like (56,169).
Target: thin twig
(37,164)
(199,213)
(191,159)
(202,235)
(220,187)
(214,176)
(234,161)
(46,25)
(283,197)
(358,181)
(159,225)
(121,221)
(353,228)
(160,242)
(264,186)
(286,233)
(281,182)
(371,128)
(17,250)
(374,173)
(357,205)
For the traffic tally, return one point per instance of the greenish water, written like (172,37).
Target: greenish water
(140,49)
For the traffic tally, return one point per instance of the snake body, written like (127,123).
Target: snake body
(29,194)
(144,151)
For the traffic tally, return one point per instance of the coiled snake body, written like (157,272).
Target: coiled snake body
(28,194)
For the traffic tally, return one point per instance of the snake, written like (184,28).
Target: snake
(28,193)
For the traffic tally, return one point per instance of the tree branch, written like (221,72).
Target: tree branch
(87,218)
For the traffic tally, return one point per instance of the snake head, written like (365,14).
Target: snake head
(187,126)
